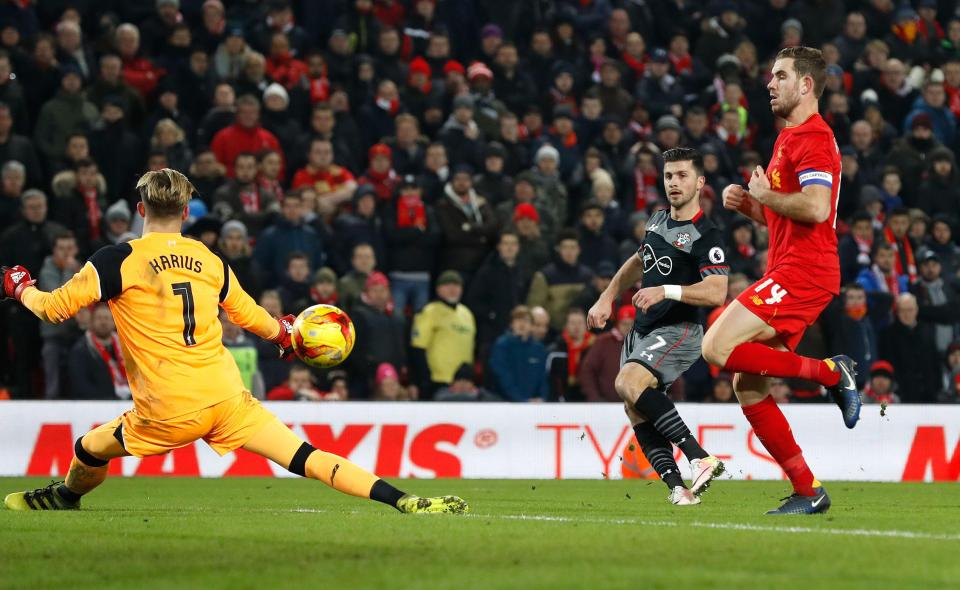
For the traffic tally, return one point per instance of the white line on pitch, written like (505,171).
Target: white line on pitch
(898,534)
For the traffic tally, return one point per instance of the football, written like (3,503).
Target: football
(323,336)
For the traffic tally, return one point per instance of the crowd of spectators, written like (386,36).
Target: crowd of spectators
(464,177)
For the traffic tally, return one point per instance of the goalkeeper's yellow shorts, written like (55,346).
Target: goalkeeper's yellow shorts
(225,426)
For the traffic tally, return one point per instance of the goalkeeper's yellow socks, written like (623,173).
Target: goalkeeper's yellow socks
(340,474)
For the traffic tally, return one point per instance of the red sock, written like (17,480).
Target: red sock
(774,432)
(760,359)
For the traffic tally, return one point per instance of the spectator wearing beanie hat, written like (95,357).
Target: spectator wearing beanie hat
(563,138)
(939,194)
(361,225)
(411,232)
(601,363)
(443,336)
(278,119)
(387,385)
(546,175)
(380,175)
(596,246)
(534,249)
(492,182)
(468,226)
(235,247)
(882,387)
(488,106)
(460,134)
(381,337)
(525,193)
(117,217)
(419,89)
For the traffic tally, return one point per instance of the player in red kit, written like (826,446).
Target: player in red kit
(796,198)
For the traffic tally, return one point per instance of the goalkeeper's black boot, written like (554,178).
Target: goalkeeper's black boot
(46,498)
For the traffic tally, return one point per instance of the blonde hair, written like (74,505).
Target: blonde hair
(163,125)
(165,192)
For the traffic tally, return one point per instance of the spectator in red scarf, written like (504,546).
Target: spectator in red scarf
(96,366)
(566,352)
(79,203)
(315,78)
(244,199)
(245,135)
(381,175)
(324,289)
(855,247)
(282,67)
(881,281)
(634,55)
(376,118)
(743,254)
(138,71)
(418,90)
(895,232)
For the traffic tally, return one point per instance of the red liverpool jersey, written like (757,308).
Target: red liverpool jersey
(805,154)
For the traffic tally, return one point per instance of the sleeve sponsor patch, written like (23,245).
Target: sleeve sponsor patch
(811,176)
(716,255)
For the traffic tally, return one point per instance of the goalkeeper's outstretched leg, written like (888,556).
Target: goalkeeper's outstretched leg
(88,469)
(279,444)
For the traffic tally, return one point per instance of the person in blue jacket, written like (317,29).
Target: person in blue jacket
(518,361)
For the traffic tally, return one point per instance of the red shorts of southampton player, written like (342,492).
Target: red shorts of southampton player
(803,268)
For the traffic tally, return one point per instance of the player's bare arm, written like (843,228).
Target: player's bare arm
(629,274)
(710,292)
(810,205)
(736,198)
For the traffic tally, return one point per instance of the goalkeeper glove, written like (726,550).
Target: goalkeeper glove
(15,280)
(283,340)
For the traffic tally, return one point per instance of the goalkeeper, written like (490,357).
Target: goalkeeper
(165,292)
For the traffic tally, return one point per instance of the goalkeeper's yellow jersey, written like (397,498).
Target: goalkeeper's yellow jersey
(165,291)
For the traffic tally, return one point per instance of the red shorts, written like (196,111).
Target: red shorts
(788,306)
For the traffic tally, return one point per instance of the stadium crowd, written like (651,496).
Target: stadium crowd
(464,177)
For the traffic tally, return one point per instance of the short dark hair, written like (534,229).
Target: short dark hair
(807,61)
(898,211)
(84,163)
(297,255)
(244,155)
(64,235)
(508,232)
(852,287)
(685,154)
(567,234)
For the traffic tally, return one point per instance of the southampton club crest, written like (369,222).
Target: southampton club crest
(682,240)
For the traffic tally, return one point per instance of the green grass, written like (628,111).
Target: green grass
(290,533)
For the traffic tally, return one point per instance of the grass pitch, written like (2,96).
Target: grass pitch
(291,533)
